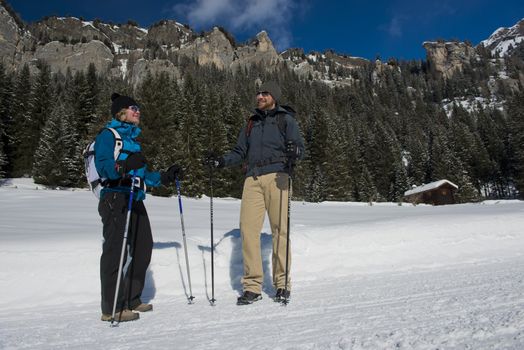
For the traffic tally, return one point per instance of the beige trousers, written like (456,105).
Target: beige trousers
(266,193)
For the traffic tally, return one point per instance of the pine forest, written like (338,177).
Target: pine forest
(369,141)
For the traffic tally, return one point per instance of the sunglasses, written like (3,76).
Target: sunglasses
(134,108)
(263,93)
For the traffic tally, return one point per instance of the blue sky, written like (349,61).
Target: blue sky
(369,29)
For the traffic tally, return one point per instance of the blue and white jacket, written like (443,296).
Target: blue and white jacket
(105,162)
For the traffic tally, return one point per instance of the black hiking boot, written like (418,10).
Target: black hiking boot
(282,295)
(248,298)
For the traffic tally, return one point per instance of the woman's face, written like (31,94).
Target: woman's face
(132,115)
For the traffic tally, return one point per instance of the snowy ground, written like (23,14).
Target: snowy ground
(364,277)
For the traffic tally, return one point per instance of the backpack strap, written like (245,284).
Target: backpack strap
(119,143)
(249,126)
(281,122)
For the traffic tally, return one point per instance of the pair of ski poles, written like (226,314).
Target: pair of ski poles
(124,243)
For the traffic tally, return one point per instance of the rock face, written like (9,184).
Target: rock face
(157,66)
(448,57)
(61,57)
(169,33)
(13,40)
(260,51)
(213,48)
(130,52)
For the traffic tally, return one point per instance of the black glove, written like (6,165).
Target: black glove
(292,150)
(133,162)
(214,161)
(172,173)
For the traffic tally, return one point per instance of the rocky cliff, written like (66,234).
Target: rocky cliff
(448,57)
(130,52)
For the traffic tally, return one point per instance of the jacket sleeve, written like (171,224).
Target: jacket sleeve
(239,152)
(293,134)
(104,155)
(152,178)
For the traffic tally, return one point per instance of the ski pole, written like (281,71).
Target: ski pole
(212,240)
(191,297)
(124,245)
(289,190)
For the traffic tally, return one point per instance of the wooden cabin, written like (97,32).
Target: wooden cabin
(435,193)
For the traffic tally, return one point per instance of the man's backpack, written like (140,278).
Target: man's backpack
(95,181)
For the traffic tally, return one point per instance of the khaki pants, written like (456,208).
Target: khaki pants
(266,193)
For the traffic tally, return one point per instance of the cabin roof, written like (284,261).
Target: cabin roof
(430,186)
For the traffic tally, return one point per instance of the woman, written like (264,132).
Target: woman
(113,207)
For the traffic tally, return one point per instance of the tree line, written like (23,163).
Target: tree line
(368,141)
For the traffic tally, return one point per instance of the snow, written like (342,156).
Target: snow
(312,57)
(505,39)
(364,277)
(429,186)
(123,67)
(88,24)
(472,104)
(504,46)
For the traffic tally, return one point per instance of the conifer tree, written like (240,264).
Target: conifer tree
(466,193)
(22,135)
(157,97)
(57,158)
(191,136)
(6,121)
(516,140)
(337,163)
(3,160)
(316,139)
(40,108)
(365,190)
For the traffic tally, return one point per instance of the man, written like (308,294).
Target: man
(113,207)
(267,142)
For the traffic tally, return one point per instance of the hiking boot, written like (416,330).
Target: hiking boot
(282,295)
(122,316)
(143,307)
(248,298)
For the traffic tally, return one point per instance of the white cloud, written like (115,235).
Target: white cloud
(273,16)
(394,27)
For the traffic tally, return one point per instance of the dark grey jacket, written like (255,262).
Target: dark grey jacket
(264,146)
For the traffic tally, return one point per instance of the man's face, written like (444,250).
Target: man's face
(265,101)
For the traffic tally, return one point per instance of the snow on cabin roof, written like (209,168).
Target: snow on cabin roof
(430,186)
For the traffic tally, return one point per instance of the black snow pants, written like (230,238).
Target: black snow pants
(113,209)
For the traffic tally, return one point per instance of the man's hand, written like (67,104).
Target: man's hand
(213,161)
(292,150)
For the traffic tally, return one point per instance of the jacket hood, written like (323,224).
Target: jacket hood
(123,128)
(278,109)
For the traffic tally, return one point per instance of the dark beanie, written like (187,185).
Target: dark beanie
(272,88)
(120,102)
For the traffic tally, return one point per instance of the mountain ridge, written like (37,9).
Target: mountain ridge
(132,52)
